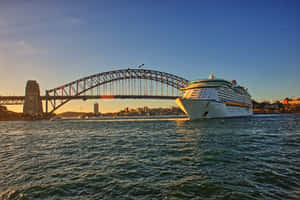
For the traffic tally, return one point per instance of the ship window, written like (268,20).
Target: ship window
(207,93)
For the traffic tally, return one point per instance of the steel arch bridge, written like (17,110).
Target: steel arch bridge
(121,84)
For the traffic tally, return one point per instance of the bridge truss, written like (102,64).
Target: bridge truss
(127,83)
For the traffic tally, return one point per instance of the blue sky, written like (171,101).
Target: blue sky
(55,42)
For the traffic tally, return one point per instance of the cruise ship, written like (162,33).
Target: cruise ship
(215,98)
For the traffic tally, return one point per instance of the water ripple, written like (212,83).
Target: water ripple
(250,158)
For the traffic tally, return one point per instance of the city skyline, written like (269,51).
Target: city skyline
(254,42)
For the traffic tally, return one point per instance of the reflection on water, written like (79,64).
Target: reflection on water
(246,158)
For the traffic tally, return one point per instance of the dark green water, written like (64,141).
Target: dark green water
(249,158)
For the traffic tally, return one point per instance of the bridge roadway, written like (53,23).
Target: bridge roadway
(19,100)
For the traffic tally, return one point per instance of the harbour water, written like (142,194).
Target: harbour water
(247,158)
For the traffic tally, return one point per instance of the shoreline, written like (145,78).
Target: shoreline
(28,118)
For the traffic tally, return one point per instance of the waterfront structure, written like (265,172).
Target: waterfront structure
(215,98)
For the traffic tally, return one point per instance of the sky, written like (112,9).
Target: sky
(54,42)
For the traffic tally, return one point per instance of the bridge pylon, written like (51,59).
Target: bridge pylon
(33,102)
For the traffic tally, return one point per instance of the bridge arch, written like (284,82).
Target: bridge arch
(138,83)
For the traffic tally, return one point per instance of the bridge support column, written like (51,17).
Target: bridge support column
(33,103)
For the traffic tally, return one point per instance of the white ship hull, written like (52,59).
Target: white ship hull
(201,109)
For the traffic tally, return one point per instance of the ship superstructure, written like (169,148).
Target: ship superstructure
(215,98)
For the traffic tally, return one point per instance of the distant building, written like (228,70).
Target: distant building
(288,101)
(140,110)
(96,108)
(146,109)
